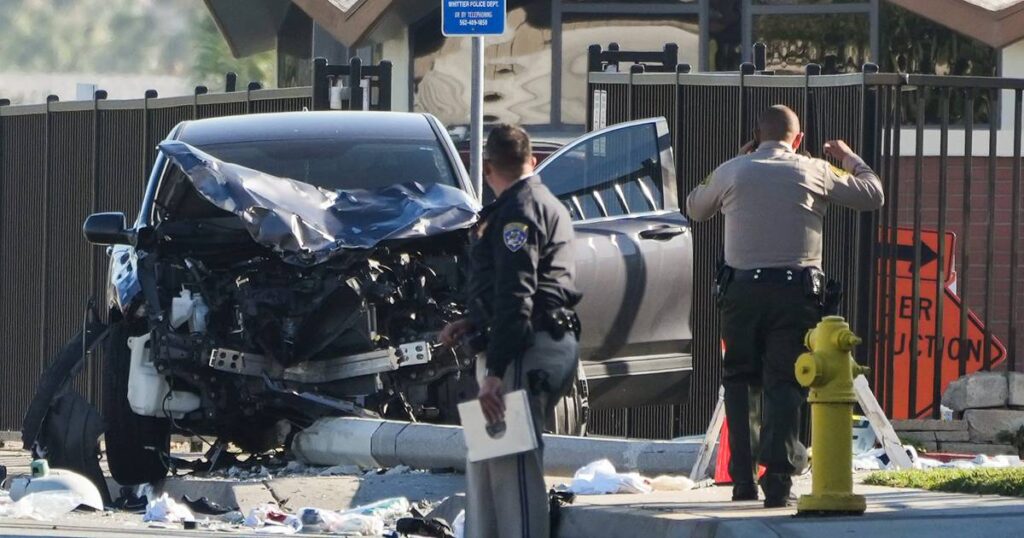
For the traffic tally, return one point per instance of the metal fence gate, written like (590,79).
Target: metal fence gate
(888,261)
(61,161)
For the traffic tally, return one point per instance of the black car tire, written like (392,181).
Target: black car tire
(137,446)
(572,411)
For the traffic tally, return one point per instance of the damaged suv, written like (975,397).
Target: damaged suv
(287,267)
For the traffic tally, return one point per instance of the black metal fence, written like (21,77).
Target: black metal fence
(888,261)
(61,161)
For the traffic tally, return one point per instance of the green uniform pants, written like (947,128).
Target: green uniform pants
(763,325)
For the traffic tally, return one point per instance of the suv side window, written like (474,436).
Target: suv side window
(614,173)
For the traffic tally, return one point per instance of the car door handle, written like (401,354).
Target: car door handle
(663,233)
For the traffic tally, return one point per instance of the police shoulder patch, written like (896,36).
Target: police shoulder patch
(514,235)
(838,171)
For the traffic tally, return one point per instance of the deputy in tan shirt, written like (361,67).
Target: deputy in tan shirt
(770,289)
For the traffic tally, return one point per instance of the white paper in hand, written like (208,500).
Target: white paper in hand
(513,436)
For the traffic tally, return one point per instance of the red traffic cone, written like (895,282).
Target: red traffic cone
(724,455)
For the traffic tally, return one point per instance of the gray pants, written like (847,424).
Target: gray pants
(506,497)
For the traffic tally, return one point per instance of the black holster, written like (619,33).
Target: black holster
(558,322)
(826,291)
(833,296)
(723,277)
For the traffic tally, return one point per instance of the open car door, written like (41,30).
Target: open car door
(634,257)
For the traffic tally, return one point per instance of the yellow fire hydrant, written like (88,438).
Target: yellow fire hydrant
(828,370)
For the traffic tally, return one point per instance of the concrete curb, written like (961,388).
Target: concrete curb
(343,441)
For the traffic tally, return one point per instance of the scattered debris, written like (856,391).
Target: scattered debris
(42,506)
(204,505)
(672,483)
(335,522)
(131,500)
(166,510)
(269,519)
(421,526)
(386,509)
(600,478)
(46,479)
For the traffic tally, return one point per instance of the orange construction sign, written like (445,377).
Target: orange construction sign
(932,351)
(929,268)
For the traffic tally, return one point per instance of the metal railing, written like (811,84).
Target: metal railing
(887,260)
(61,161)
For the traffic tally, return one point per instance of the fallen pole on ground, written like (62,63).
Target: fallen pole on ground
(383,443)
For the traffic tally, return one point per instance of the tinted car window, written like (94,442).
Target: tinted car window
(614,173)
(346,164)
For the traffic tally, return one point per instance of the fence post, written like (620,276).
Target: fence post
(1018,100)
(760,56)
(593,66)
(321,90)
(253,86)
(200,90)
(46,232)
(634,70)
(230,81)
(384,86)
(147,142)
(671,59)
(865,308)
(746,69)
(94,186)
(3,103)
(355,78)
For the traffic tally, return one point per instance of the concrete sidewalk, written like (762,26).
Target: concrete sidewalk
(709,513)
(704,513)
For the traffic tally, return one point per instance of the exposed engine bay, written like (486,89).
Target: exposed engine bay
(263,339)
(261,303)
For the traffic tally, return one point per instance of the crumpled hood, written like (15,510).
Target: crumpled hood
(306,224)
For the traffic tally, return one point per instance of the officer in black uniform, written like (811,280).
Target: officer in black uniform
(521,292)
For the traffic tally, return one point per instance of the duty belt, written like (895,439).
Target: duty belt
(771,275)
(557,322)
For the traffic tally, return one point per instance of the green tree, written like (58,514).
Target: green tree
(212,58)
(159,37)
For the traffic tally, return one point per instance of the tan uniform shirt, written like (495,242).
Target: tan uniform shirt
(774,201)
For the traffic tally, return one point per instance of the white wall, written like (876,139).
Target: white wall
(1012,67)
(393,36)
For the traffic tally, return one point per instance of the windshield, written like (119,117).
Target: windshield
(343,164)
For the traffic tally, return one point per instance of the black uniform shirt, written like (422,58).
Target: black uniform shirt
(522,264)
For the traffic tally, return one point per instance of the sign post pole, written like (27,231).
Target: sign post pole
(476,163)
(475,19)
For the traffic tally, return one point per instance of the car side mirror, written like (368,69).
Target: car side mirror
(107,229)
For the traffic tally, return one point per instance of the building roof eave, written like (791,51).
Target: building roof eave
(994,27)
(352,27)
(252,30)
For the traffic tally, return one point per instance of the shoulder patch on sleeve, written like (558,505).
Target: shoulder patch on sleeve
(838,171)
(514,235)
(707,179)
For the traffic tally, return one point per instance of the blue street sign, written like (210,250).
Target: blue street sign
(472,17)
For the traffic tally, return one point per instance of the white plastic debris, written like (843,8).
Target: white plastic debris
(459,525)
(315,519)
(600,478)
(166,510)
(42,506)
(387,510)
(671,483)
(269,519)
(58,480)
